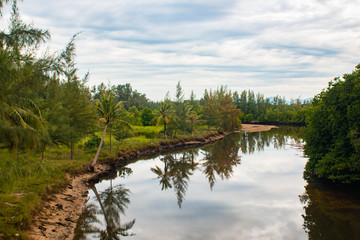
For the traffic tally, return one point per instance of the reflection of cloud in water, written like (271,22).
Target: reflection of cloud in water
(196,220)
(253,196)
(214,220)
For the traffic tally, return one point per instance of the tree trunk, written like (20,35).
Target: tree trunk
(71,150)
(165,128)
(42,153)
(101,205)
(110,136)
(93,163)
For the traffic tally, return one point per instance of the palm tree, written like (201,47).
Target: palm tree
(164,176)
(181,171)
(164,113)
(107,108)
(87,222)
(193,118)
(113,201)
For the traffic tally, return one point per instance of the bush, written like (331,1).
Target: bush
(122,131)
(147,116)
(92,143)
(151,132)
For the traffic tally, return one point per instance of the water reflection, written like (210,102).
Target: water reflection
(331,212)
(176,173)
(111,204)
(255,142)
(238,188)
(219,159)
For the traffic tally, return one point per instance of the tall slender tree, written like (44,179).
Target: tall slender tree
(21,75)
(220,111)
(107,107)
(163,115)
(75,114)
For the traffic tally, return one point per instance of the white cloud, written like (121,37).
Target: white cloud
(277,47)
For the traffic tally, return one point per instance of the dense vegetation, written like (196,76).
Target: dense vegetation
(256,107)
(333,131)
(51,122)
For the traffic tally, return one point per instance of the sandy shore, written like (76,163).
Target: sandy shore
(57,218)
(256,127)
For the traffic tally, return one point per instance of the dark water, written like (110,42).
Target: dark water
(247,186)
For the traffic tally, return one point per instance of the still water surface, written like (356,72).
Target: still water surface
(246,186)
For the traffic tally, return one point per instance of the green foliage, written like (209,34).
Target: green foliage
(193,118)
(92,143)
(219,110)
(180,111)
(164,115)
(23,183)
(147,117)
(108,108)
(69,108)
(248,117)
(122,130)
(132,116)
(269,110)
(21,78)
(332,136)
(123,93)
(151,132)
(193,102)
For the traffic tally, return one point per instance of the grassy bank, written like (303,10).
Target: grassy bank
(27,179)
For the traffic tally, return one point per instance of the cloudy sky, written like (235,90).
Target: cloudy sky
(276,47)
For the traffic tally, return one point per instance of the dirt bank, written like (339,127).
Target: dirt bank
(256,127)
(58,217)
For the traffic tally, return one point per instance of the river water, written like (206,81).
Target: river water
(246,186)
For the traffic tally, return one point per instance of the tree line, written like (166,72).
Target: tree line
(44,101)
(333,131)
(256,107)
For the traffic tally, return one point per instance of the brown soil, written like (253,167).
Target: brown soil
(256,127)
(57,218)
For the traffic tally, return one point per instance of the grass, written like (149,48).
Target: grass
(24,182)
(152,132)
(26,179)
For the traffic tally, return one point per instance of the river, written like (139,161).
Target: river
(246,186)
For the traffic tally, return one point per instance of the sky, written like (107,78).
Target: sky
(275,47)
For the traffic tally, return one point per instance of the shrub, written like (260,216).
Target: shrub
(92,143)
(122,130)
(151,132)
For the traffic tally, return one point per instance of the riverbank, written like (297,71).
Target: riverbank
(256,127)
(58,216)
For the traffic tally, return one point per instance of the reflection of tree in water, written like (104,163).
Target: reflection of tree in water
(257,141)
(164,175)
(86,220)
(176,172)
(220,158)
(330,213)
(112,202)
